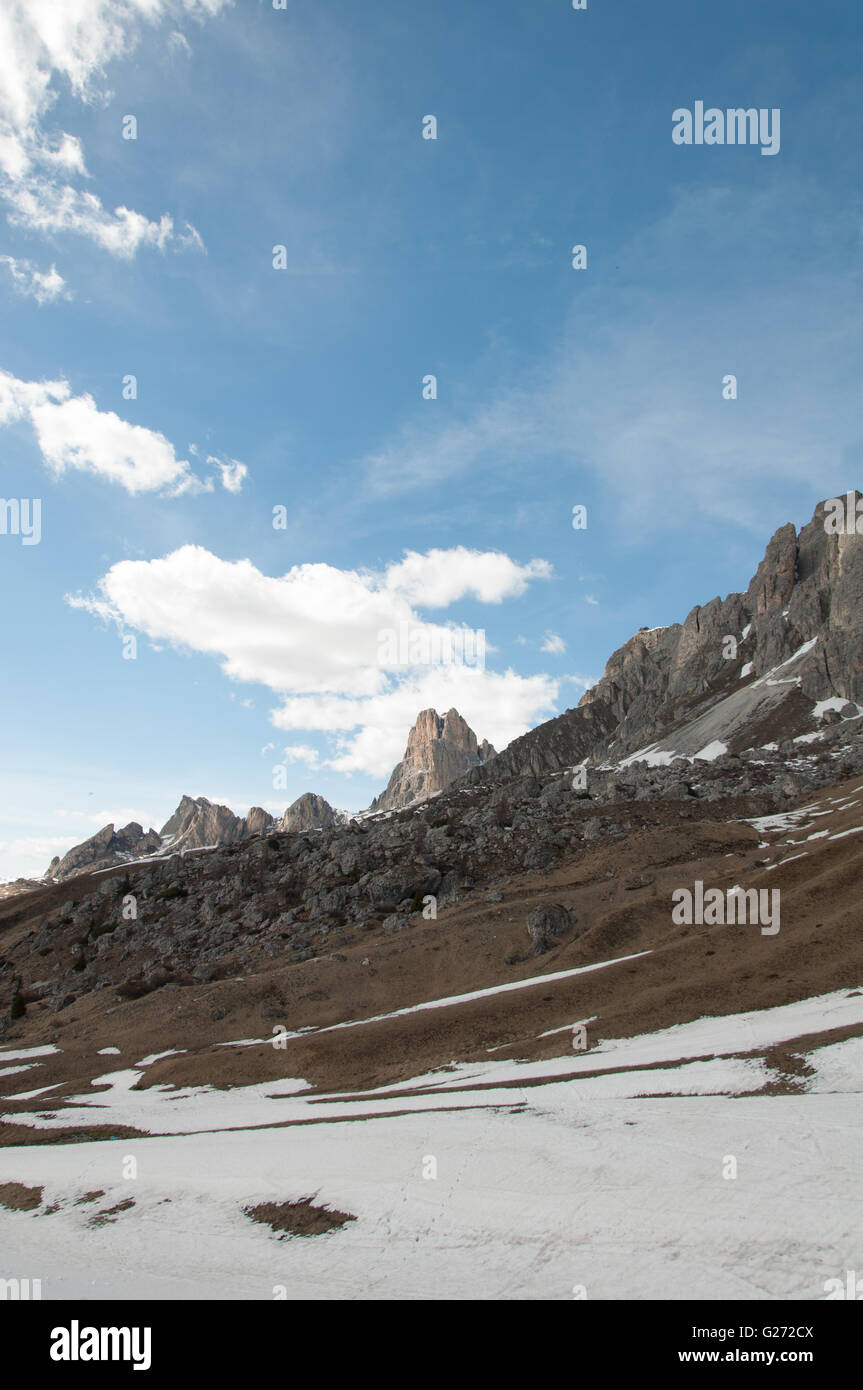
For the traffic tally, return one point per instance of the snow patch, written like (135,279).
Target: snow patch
(712,750)
(660,758)
(768,678)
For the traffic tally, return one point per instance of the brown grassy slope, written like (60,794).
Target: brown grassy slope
(690,971)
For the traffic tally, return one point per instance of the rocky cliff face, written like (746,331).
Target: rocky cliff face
(438,751)
(308,812)
(753,668)
(197,823)
(104,849)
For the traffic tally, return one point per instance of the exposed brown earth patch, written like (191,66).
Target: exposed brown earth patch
(110,1214)
(15,1136)
(300,1218)
(16,1197)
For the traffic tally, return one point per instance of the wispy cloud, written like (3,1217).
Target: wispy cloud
(301,753)
(72,433)
(42,285)
(41,46)
(631,393)
(232,473)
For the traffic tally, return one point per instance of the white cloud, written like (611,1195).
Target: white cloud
(72,433)
(553,644)
(233,473)
(29,855)
(314,636)
(588,598)
(439,578)
(42,285)
(301,753)
(498,706)
(45,47)
(48,208)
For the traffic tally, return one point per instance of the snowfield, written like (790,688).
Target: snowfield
(600,1170)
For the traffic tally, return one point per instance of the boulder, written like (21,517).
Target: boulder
(545,924)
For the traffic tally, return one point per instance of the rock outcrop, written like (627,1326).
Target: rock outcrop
(104,849)
(439,750)
(308,812)
(198,823)
(545,924)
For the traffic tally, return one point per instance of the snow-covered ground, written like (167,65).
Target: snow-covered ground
(615,1182)
(624,1197)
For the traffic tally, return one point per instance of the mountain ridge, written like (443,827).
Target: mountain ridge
(803,608)
(770,663)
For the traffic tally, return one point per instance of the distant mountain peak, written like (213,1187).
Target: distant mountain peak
(308,812)
(197,823)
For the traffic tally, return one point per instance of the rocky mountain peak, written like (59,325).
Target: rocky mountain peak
(439,749)
(458,734)
(308,812)
(104,849)
(186,810)
(198,822)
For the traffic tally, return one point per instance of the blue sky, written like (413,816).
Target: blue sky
(302,388)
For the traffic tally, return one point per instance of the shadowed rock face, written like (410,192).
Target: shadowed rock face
(257,821)
(308,812)
(799,635)
(438,751)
